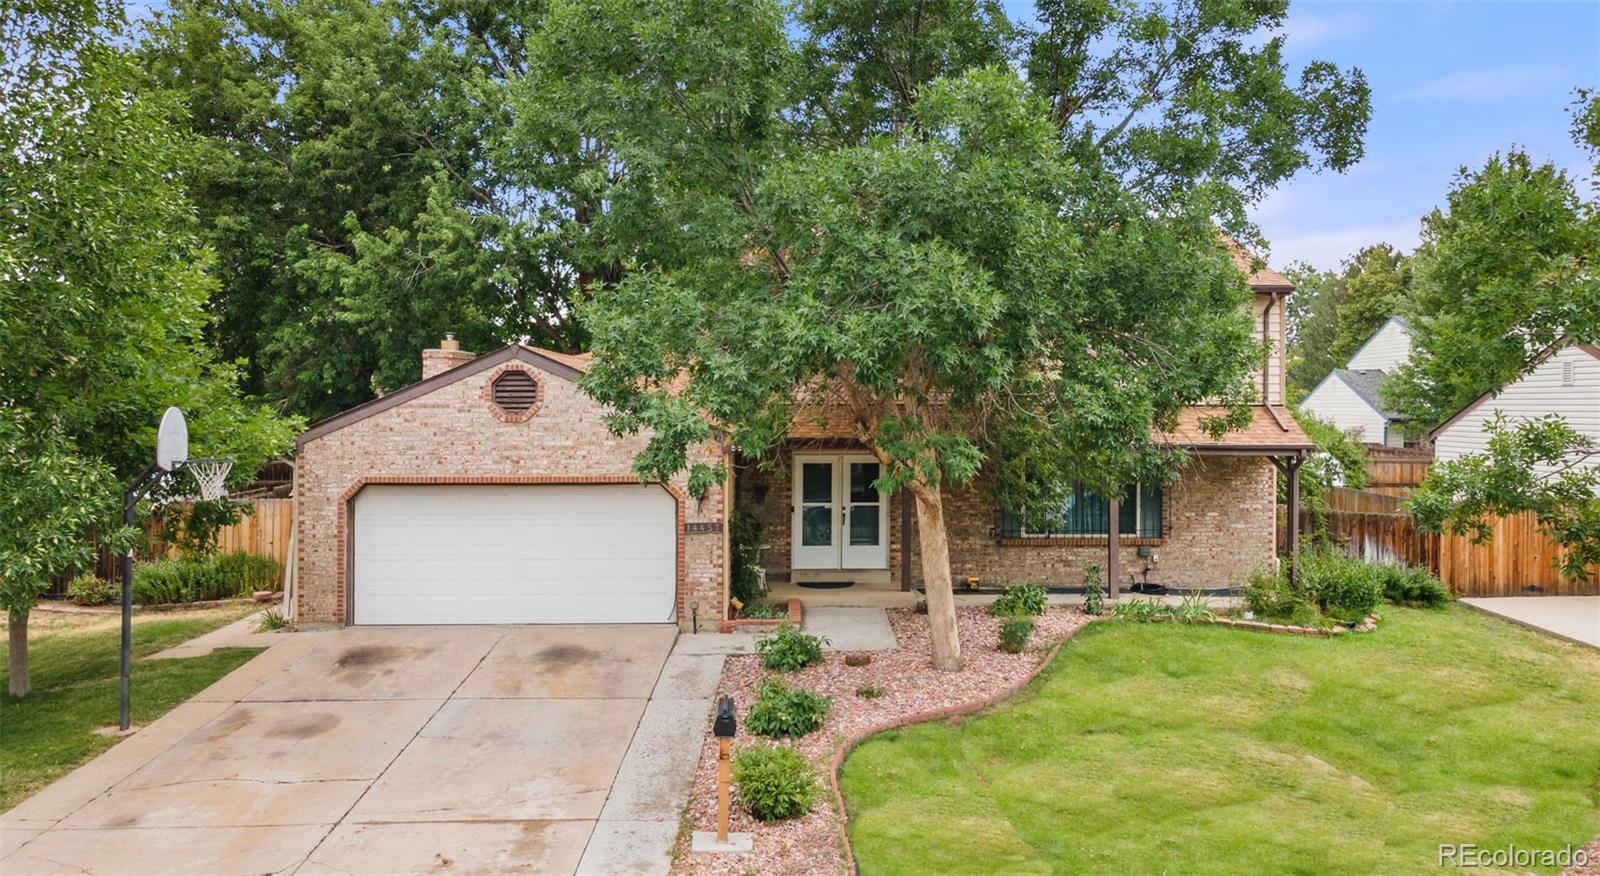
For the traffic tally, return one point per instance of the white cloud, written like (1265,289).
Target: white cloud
(1487,84)
(1325,249)
(1304,31)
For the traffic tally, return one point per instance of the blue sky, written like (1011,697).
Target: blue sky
(1452,83)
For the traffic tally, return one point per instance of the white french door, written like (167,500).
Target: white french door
(841,521)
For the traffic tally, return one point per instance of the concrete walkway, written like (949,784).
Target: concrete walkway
(1574,618)
(851,629)
(397,750)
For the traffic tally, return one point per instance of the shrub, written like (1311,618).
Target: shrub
(869,691)
(1271,595)
(271,620)
(1341,584)
(1019,599)
(774,782)
(1193,608)
(251,572)
(1015,633)
(764,610)
(745,581)
(197,579)
(1413,586)
(1140,610)
(789,649)
(781,710)
(857,659)
(1094,590)
(88,589)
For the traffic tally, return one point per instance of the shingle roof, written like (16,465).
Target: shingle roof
(1364,382)
(1270,430)
(1260,277)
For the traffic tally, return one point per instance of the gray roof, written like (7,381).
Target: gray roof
(1365,382)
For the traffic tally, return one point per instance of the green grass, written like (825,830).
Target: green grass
(75,688)
(1160,748)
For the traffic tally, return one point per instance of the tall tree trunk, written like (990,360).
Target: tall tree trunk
(936,578)
(20,683)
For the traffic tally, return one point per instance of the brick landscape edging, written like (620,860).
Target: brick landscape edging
(924,716)
(1367,625)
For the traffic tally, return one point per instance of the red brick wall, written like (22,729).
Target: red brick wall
(453,435)
(1219,518)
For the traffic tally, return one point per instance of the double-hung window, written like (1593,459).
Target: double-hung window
(1087,513)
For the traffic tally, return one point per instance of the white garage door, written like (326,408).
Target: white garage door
(514,554)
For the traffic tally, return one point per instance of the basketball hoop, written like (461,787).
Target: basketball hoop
(210,474)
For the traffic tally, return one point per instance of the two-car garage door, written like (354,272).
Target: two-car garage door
(594,553)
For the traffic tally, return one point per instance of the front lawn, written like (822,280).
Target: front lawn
(75,688)
(1149,748)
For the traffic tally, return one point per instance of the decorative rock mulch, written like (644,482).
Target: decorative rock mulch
(1592,867)
(913,691)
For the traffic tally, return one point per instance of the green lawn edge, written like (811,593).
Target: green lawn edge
(1173,748)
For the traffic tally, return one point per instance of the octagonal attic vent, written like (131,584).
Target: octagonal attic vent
(515,393)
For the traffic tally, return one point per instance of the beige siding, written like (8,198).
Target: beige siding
(1541,392)
(1385,350)
(1276,338)
(1334,401)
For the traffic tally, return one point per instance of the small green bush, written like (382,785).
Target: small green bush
(1194,608)
(764,610)
(1094,590)
(1015,633)
(781,710)
(774,782)
(1413,586)
(198,579)
(251,572)
(1140,610)
(89,589)
(271,621)
(1019,599)
(870,691)
(1341,584)
(1270,595)
(789,649)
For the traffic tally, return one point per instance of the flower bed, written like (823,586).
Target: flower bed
(911,691)
(764,624)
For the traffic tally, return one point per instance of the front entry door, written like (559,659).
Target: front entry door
(841,521)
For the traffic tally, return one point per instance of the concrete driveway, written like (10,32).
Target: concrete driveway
(1574,618)
(397,750)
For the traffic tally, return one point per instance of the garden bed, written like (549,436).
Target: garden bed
(795,615)
(912,691)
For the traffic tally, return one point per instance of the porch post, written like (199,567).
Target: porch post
(1113,558)
(1293,523)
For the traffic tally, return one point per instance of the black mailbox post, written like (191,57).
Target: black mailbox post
(725,725)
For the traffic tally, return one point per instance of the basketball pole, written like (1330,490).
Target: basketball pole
(130,499)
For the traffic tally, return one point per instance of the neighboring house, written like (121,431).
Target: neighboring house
(1348,397)
(491,492)
(1567,382)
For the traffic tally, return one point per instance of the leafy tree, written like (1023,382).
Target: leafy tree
(1018,276)
(53,501)
(103,292)
(1376,279)
(355,182)
(1504,274)
(1543,465)
(1339,461)
(1333,313)
(1312,313)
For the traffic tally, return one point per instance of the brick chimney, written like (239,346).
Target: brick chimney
(447,356)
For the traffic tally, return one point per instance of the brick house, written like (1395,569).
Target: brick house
(492,492)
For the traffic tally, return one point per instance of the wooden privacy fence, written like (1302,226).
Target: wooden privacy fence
(265,532)
(1393,471)
(1519,560)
